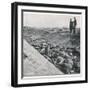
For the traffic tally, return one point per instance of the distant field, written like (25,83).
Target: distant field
(56,37)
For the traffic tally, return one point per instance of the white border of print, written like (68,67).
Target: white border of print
(57,78)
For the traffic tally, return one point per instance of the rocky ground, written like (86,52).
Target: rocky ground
(59,47)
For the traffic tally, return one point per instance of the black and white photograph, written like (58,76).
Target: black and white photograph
(49,44)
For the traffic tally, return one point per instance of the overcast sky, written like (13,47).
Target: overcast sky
(49,19)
